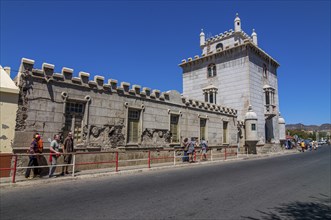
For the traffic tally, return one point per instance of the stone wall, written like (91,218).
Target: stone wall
(103,108)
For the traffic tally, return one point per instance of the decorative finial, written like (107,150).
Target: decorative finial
(253,30)
(250,108)
(237,15)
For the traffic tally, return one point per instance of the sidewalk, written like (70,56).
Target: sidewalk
(22,181)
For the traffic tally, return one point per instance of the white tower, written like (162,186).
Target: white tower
(237,24)
(254,37)
(202,38)
(251,135)
(282,132)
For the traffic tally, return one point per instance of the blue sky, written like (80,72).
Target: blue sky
(142,42)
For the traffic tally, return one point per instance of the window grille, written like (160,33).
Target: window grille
(174,128)
(133,125)
(74,114)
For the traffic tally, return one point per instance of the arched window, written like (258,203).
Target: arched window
(211,71)
(220,45)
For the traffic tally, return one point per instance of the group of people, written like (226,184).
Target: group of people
(189,149)
(67,148)
(36,148)
(308,146)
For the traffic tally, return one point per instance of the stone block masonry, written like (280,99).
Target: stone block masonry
(108,115)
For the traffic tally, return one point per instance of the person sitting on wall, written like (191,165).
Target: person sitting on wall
(33,150)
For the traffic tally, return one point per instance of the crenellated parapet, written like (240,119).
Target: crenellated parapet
(124,88)
(47,74)
(247,42)
(192,103)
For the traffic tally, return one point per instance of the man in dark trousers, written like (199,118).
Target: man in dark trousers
(33,150)
(68,148)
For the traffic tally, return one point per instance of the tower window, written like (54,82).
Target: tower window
(211,70)
(265,71)
(238,23)
(220,45)
(211,97)
(253,127)
(267,98)
(210,94)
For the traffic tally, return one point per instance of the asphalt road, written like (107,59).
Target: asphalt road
(295,186)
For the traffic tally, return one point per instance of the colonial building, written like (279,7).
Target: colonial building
(218,87)
(107,114)
(234,71)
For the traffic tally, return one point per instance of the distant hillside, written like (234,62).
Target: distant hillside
(322,127)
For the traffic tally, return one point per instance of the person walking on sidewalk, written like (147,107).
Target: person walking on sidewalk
(303,146)
(55,153)
(33,150)
(191,149)
(68,148)
(185,149)
(204,148)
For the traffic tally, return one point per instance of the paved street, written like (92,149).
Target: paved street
(295,186)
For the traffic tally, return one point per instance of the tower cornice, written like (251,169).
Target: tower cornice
(245,46)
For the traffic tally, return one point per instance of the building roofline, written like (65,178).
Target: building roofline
(246,43)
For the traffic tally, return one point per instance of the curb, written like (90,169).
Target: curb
(45,180)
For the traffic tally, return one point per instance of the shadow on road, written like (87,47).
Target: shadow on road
(319,209)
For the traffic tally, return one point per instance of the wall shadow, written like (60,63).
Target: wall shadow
(319,209)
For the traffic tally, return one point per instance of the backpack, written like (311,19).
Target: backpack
(191,145)
(40,146)
(204,146)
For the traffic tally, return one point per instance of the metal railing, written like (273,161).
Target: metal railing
(211,154)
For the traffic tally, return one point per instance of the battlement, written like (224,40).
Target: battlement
(217,38)
(208,106)
(227,34)
(124,88)
(247,40)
